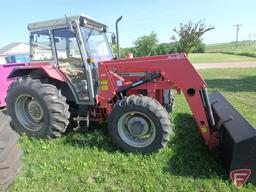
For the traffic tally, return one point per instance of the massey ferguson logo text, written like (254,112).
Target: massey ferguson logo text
(240,176)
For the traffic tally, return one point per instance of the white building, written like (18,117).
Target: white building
(18,52)
(14,52)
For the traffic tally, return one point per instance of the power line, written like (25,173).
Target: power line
(237,29)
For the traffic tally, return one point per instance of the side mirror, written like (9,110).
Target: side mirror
(113,39)
(56,40)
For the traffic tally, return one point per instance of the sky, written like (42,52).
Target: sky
(140,17)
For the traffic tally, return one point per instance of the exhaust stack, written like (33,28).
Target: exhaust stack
(117,36)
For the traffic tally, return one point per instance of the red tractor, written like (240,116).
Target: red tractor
(73,73)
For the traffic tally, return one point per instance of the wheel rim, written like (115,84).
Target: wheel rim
(136,129)
(29,112)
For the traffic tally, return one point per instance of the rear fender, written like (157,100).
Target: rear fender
(53,76)
(37,71)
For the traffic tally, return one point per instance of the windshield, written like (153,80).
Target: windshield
(96,44)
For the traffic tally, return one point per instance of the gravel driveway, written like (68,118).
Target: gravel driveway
(248,64)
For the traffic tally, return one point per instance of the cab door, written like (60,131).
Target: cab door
(70,61)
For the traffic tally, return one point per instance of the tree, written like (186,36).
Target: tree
(190,35)
(130,50)
(198,48)
(122,50)
(146,45)
(166,48)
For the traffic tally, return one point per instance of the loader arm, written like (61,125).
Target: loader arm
(175,71)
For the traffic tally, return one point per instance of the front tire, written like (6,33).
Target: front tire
(139,124)
(38,110)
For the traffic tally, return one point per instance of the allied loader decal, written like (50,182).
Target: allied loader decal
(240,176)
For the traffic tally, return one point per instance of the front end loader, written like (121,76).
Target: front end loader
(74,74)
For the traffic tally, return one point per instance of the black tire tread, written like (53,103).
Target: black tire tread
(55,101)
(171,106)
(10,153)
(152,105)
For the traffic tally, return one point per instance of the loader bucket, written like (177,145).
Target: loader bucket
(237,137)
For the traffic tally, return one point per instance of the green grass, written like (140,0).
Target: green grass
(245,48)
(218,58)
(89,162)
(226,52)
(219,47)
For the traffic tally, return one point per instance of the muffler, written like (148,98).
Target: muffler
(237,137)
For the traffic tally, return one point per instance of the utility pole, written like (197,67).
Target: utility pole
(237,29)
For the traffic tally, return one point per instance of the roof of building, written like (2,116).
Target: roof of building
(9,46)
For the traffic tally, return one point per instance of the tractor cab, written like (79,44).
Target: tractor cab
(75,45)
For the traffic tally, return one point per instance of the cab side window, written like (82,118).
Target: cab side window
(41,46)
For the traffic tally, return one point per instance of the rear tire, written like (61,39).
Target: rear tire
(170,107)
(10,153)
(38,110)
(139,124)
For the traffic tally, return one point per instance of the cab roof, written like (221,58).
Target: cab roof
(62,22)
